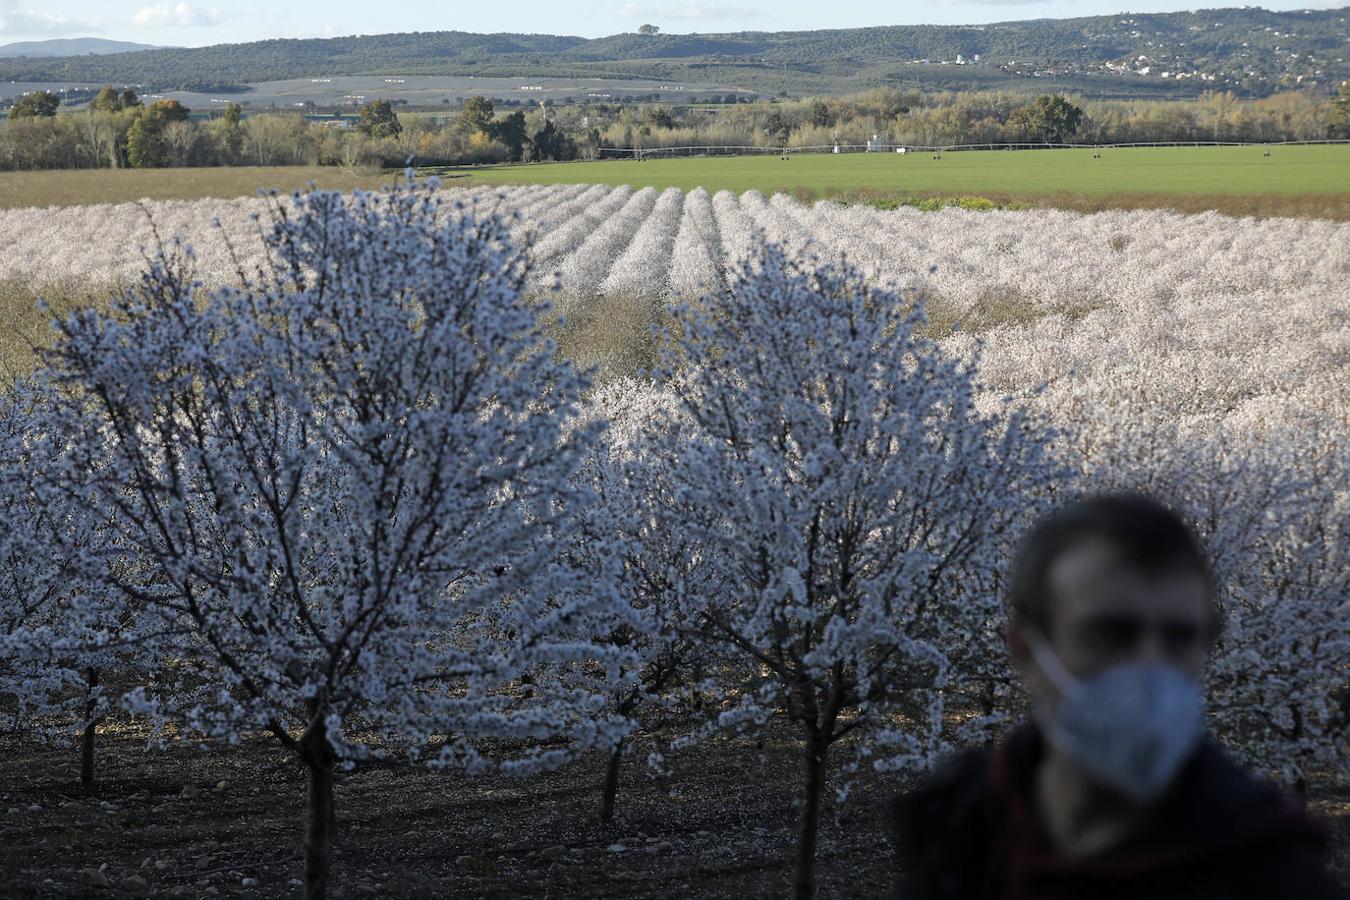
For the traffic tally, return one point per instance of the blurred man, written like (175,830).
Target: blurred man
(1111,788)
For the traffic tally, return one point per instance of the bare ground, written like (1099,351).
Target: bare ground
(227,822)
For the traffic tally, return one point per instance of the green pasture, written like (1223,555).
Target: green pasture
(1292,181)
(1319,170)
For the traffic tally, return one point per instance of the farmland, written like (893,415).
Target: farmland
(1037,276)
(430,91)
(1199,357)
(1171,171)
(96,186)
(620,245)
(643,490)
(1239,181)
(426,91)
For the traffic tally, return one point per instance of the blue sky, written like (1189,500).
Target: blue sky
(198,22)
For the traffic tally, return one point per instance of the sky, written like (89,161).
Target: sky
(192,24)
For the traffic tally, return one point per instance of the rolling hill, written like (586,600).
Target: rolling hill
(1252,51)
(69,47)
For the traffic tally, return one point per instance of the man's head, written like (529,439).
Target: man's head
(1110,580)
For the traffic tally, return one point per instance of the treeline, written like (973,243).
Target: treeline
(975,118)
(117,131)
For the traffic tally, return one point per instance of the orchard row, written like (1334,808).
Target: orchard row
(329,481)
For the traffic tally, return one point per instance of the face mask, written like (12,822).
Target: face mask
(1131,727)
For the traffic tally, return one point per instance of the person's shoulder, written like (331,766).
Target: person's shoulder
(1288,869)
(1275,847)
(970,781)
(1241,807)
(957,779)
(945,804)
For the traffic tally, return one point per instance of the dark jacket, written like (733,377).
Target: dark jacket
(971,832)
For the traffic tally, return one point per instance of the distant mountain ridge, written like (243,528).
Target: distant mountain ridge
(1250,50)
(70,47)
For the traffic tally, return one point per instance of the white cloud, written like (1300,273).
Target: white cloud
(31,22)
(687,12)
(176,15)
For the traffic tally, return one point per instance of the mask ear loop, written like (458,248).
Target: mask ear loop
(1049,662)
(1053,668)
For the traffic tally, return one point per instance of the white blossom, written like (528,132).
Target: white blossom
(351,478)
(833,463)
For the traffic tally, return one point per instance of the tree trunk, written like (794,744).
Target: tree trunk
(987,706)
(87,738)
(611,784)
(320,812)
(804,878)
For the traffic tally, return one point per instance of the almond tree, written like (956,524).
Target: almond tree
(62,633)
(852,478)
(584,270)
(589,213)
(695,261)
(1273,512)
(642,270)
(349,476)
(665,575)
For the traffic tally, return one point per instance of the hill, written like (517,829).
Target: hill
(1251,51)
(69,47)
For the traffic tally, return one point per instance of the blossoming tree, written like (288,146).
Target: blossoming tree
(666,575)
(62,632)
(852,478)
(349,476)
(1272,510)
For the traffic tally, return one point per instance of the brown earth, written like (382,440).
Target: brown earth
(227,822)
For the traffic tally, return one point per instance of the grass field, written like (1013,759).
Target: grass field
(73,187)
(1292,181)
(1172,170)
(1297,181)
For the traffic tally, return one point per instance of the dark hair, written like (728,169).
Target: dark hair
(1146,533)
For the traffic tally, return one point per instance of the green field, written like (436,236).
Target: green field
(1312,181)
(1148,170)
(75,187)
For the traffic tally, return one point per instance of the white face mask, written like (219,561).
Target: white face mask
(1131,726)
